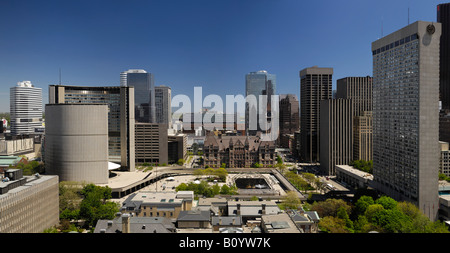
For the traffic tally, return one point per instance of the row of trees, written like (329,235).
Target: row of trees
(220,174)
(382,214)
(204,189)
(304,181)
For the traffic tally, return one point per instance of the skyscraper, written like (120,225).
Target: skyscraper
(336,138)
(25,108)
(362,137)
(289,118)
(405,115)
(120,101)
(443,17)
(315,85)
(163,105)
(144,88)
(257,84)
(359,90)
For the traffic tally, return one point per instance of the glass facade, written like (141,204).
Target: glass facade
(258,83)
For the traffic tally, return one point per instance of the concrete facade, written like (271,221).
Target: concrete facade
(151,143)
(444,162)
(405,115)
(121,117)
(30,207)
(353,177)
(362,137)
(76,142)
(16,146)
(336,134)
(359,90)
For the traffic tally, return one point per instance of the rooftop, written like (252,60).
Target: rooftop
(137,225)
(279,223)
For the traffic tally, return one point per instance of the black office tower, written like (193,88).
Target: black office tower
(443,17)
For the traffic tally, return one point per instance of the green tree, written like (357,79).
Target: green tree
(69,199)
(290,201)
(330,207)
(279,160)
(226,190)
(409,209)
(343,215)
(362,204)
(221,173)
(95,206)
(372,210)
(309,177)
(387,202)
(180,161)
(256,165)
(182,187)
(392,221)
(198,172)
(215,190)
(330,224)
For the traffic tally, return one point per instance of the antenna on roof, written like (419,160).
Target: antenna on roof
(59,76)
(408,14)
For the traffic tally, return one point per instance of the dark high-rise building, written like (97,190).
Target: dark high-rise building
(144,88)
(336,138)
(163,108)
(443,17)
(288,118)
(315,85)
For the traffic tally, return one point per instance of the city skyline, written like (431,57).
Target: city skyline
(213,45)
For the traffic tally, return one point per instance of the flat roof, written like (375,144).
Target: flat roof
(354,171)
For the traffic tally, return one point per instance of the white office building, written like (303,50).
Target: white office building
(25,108)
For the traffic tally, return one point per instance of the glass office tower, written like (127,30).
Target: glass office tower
(257,84)
(144,88)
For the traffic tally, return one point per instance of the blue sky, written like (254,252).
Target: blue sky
(187,43)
